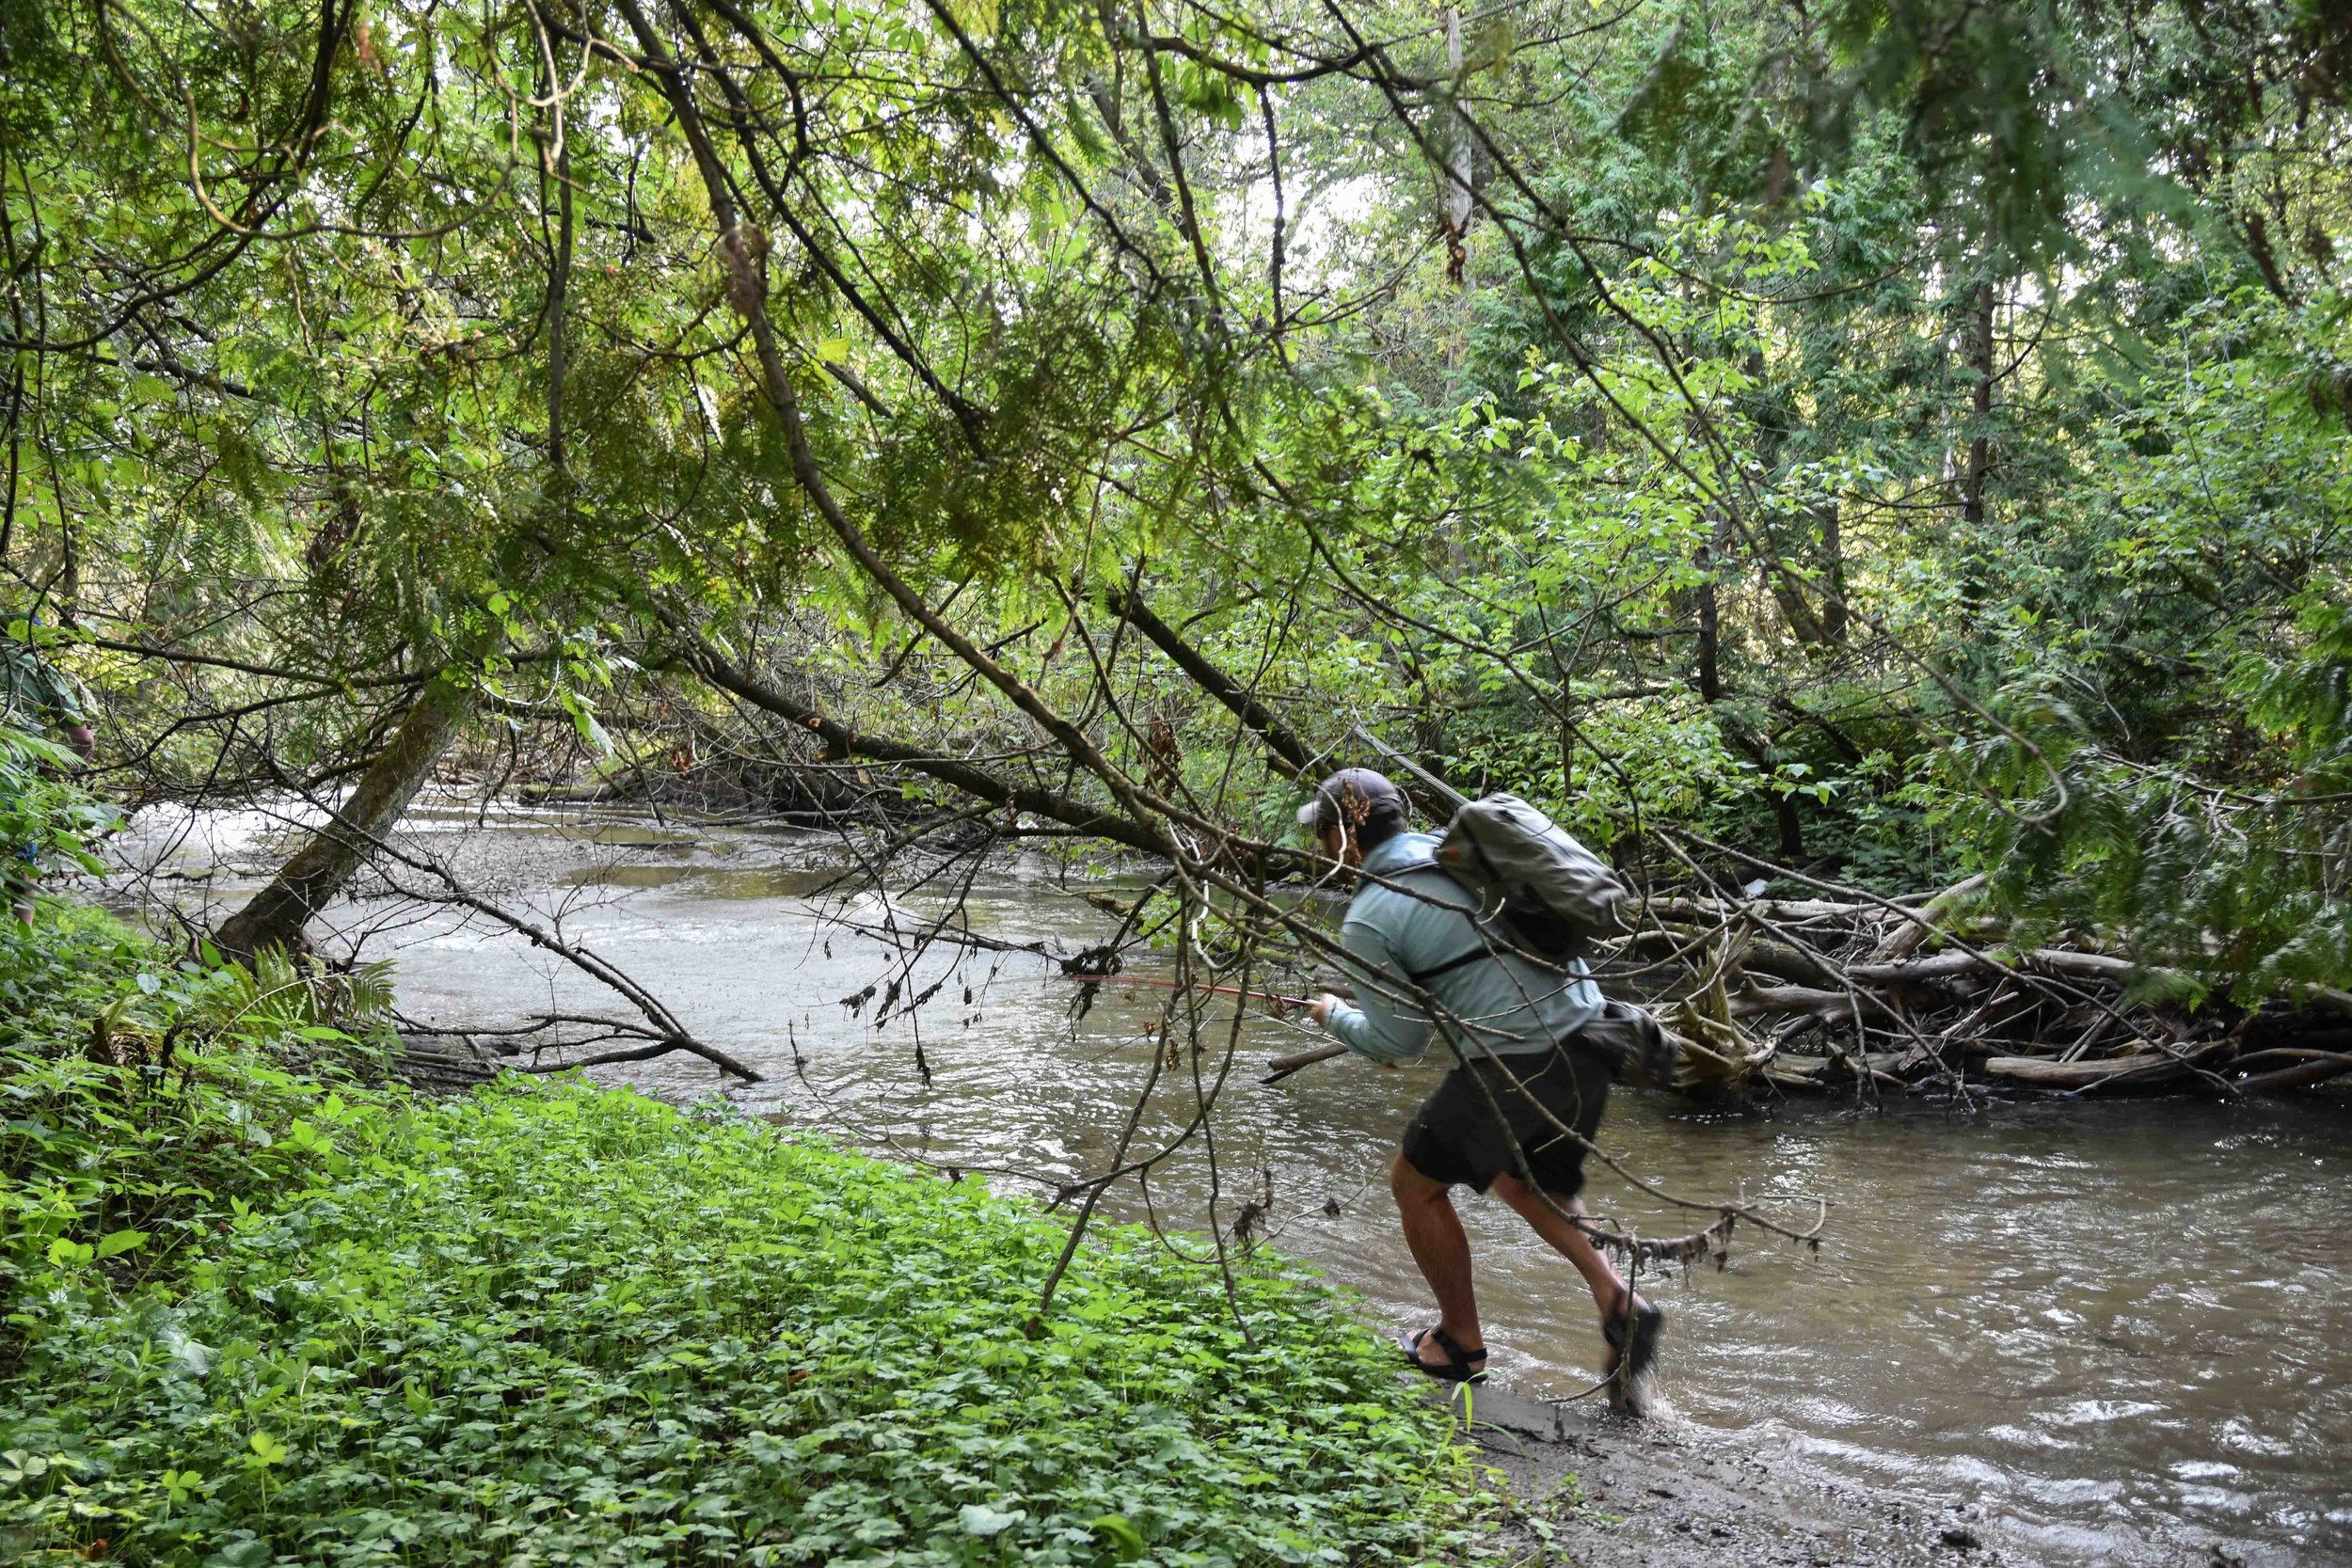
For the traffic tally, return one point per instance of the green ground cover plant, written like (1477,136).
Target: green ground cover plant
(554,1324)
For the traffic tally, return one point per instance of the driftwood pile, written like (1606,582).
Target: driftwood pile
(1911,997)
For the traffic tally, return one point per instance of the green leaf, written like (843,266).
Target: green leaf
(121,1241)
(1118,1533)
(18,1464)
(980,1519)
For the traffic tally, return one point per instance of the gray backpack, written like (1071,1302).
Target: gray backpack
(1544,892)
(1547,893)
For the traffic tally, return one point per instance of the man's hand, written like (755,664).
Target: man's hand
(83,742)
(1320,1008)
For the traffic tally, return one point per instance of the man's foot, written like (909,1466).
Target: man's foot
(1453,1362)
(1632,1337)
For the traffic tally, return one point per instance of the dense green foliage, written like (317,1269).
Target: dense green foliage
(260,1312)
(43,819)
(148,1101)
(1835,433)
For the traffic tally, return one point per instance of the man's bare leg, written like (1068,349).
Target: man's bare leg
(1607,1285)
(1434,1232)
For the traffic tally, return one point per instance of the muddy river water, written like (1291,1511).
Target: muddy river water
(2123,1327)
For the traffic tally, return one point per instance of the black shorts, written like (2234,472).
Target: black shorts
(1456,1138)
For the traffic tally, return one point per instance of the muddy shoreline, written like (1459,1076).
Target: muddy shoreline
(1584,1486)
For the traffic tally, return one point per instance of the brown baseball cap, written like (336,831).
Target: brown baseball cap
(1356,797)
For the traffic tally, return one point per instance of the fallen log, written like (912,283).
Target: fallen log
(1755,1000)
(1907,938)
(441,1069)
(2319,1067)
(2042,1074)
(1783,961)
(2136,1067)
(1821,1073)
(1712,912)
(2058,962)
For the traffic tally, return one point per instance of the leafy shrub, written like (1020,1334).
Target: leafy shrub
(144,1101)
(551,1323)
(41,812)
(2231,889)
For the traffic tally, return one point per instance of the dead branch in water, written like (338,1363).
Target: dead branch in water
(1925,997)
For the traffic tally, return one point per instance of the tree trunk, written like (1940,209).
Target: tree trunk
(1454,173)
(1790,825)
(705,661)
(1290,755)
(1707,657)
(275,917)
(1978,348)
(1775,416)
(1834,616)
(1708,667)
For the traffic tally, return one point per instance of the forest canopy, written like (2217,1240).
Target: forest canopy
(1879,443)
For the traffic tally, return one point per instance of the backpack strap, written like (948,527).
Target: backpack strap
(1423,976)
(1447,966)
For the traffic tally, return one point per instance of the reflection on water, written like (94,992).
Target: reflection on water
(2126,1325)
(711,881)
(634,835)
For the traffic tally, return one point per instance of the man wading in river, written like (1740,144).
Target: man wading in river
(1538,1041)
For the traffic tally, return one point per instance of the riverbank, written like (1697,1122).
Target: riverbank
(1586,1486)
(259,1306)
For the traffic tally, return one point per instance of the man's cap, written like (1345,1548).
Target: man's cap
(1355,796)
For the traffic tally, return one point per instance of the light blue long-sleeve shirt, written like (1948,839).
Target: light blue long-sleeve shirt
(1507,1005)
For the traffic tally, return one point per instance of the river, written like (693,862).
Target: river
(2123,1327)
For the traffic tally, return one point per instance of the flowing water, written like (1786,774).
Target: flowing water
(2124,1328)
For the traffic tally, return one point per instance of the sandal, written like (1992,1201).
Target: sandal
(1458,1368)
(1635,1337)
